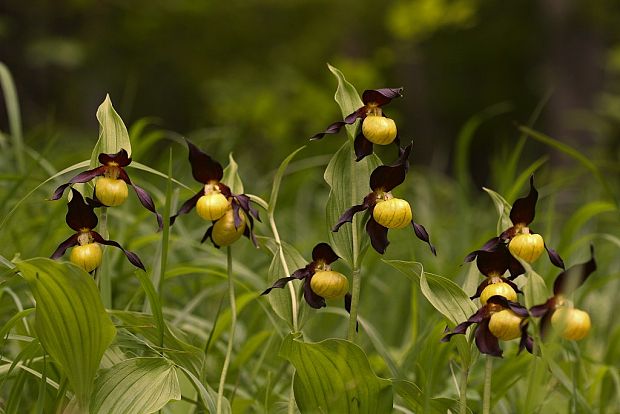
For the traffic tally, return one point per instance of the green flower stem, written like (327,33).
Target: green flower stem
(294,304)
(165,238)
(486,397)
(233,326)
(463,390)
(103,278)
(357,278)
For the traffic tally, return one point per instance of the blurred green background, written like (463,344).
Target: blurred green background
(253,73)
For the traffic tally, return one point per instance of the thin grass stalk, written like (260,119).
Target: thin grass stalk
(233,326)
(486,396)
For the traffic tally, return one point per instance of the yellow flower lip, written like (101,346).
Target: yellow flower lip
(527,246)
(212,206)
(329,284)
(393,213)
(501,289)
(505,325)
(224,232)
(571,323)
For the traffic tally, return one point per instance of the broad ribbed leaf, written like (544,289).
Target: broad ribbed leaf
(503,208)
(349,183)
(231,176)
(280,299)
(334,376)
(414,399)
(136,386)
(113,135)
(347,98)
(71,322)
(445,295)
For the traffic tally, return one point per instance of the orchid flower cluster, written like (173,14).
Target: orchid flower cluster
(501,316)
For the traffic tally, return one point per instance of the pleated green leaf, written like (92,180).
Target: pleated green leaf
(503,208)
(414,399)
(350,183)
(231,176)
(113,135)
(334,376)
(136,386)
(347,98)
(71,322)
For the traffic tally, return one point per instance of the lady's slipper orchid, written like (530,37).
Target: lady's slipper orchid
(216,202)
(376,127)
(386,212)
(111,187)
(320,282)
(521,241)
(87,253)
(499,319)
(493,264)
(558,311)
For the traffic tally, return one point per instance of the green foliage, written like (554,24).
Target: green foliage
(113,135)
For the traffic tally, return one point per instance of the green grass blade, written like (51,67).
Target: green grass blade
(13,115)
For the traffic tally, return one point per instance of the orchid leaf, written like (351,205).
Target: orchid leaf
(113,135)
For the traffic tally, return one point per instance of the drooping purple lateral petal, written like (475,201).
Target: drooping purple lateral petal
(486,342)
(381,96)
(461,328)
(80,215)
(514,266)
(131,256)
(323,252)
(187,206)
(347,307)
(526,342)
(335,127)
(204,168)
(144,197)
(488,246)
(378,235)
(249,232)
(512,285)
(82,177)
(524,209)
(555,258)
(574,276)
(315,301)
(236,216)
(121,158)
(207,235)
(422,234)
(62,247)
(278,284)
(362,147)
(541,310)
(246,204)
(403,154)
(486,282)
(347,216)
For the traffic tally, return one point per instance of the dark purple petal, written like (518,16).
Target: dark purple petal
(574,276)
(133,258)
(82,177)
(381,96)
(541,310)
(144,197)
(204,168)
(323,252)
(245,203)
(279,284)
(62,247)
(555,258)
(486,282)
(507,304)
(314,300)
(422,234)
(236,216)
(512,285)
(347,216)
(403,154)
(207,235)
(480,315)
(121,158)
(514,266)
(387,177)
(359,113)
(486,342)
(347,307)
(249,233)
(526,341)
(488,246)
(80,215)
(378,235)
(509,233)
(494,262)
(335,127)
(362,147)
(524,209)
(187,206)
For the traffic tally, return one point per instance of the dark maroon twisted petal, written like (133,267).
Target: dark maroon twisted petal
(62,247)
(207,235)
(362,146)
(187,206)
(347,216)
(555,258)
(315,301)
(335,127)
(486,342)
(378,235)
(524,209)
(381,96)
(324,252)
(82,177)
(131,256)
(570,279)
(526,341)
(461,328)
(422,234)
(489,246)
(144,197)
(204,168)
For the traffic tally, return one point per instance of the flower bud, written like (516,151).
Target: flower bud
(505,325)
(111,191)
(501,289)
(329,284)
(224,232)
(571,323)
(87,256)
(527,246)
(212,206)
(379,129)
(394,213)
